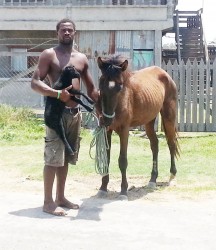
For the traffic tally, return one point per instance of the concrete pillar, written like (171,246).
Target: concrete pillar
(158,47)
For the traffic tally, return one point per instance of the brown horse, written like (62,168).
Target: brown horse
(129,99)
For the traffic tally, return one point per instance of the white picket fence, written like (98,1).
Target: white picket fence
(196,83)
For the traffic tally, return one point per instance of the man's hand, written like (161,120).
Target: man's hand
(65,96)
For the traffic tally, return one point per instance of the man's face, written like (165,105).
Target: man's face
(66,33)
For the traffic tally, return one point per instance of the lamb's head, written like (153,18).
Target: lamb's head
(68,73)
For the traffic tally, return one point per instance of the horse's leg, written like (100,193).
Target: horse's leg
(171,141)
(105,179)
(150,132)
(123,162)
(168,115)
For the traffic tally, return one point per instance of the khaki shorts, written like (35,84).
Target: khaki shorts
(54,153)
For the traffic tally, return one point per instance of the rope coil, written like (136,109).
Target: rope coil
(100,142)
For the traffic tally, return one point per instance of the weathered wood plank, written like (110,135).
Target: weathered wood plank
(188,96)
(208,98)
(182,96)
(194,96)
(214,97)
(201,126)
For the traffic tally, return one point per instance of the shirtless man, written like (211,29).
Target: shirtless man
(51,63)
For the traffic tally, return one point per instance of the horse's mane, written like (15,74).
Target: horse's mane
(115,60)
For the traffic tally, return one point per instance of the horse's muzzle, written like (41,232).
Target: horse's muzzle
(107,121)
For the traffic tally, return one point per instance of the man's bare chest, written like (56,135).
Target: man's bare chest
(60,61)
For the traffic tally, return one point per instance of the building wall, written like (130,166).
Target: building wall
(96,17)
(139,46)
(132,28)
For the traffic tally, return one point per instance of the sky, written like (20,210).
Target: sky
(209,15)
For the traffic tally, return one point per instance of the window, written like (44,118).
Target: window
(18,59)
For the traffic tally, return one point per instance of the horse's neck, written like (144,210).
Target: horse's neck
(124,99)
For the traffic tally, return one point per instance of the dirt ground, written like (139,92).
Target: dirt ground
(157,219)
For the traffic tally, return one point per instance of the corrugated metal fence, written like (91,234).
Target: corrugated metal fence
(196,83)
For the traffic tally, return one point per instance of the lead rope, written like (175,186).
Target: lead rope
(100,142)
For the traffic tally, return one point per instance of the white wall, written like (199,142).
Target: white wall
(86,17)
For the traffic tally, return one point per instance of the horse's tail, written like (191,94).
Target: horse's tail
(175,139)
(168,114)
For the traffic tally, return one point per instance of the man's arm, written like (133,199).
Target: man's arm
(39,75)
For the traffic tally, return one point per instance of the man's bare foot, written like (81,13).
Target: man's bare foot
(66,203)
(52,208)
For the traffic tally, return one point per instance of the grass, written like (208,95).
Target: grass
(21,150)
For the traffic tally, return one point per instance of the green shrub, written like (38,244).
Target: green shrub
(19,124)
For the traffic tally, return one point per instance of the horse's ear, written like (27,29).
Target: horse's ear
(100,62)
(124,65)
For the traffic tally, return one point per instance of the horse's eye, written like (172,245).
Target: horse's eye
(119,87)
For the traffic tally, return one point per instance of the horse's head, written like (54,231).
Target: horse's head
(68,73)
(110,85)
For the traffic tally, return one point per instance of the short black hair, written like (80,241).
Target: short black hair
(65,20)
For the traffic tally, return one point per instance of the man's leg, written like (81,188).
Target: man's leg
(61,201)
(49,205)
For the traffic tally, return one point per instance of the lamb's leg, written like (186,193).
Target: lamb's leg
(68,147)
(87,98)
(78,92)
(77,100)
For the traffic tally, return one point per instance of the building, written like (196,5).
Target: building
(132,28)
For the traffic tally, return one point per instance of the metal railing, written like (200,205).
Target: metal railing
(84,2)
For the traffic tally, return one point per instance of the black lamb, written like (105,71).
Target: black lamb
(54,107)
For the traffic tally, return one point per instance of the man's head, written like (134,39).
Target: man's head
(65,20)
(66,29)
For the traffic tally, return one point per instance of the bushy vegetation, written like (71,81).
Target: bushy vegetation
(19,125)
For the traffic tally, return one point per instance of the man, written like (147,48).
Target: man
(51,63)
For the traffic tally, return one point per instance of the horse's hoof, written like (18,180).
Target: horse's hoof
(102,194)
(172,181)
(123,197)
(151,185)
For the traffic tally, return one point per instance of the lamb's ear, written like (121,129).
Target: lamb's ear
(124,65)
(100,62)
